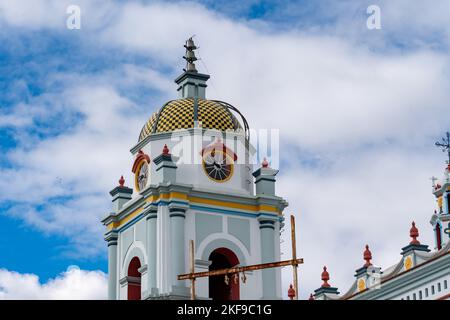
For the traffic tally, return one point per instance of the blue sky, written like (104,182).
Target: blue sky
(72,103)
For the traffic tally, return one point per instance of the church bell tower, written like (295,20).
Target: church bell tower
(194,180)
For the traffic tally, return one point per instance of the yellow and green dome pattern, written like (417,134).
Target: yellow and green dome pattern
(181,114)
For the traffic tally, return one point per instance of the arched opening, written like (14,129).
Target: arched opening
(438,236)
(219,289)
(134,279)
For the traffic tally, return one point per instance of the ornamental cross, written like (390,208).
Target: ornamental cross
(445,145)
(433,180)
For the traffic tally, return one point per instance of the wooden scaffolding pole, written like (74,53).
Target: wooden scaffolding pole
(192,256)
(294,256)
(190,276)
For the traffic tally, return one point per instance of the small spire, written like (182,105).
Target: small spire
(121,181)
(445,146)
(190,56)
(325,278)
(165,150)
(311,297)
(367,256)
(265,163)
(414,233)
(291,292)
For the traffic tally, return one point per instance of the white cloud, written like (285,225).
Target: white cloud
(73,284)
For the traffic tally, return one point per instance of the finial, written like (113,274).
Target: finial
(445,146)
(121,181)
(311,297)
(165,150)
(291,292)
(190,56)
(414,233)
(325,278)
(265,163)
(367,256)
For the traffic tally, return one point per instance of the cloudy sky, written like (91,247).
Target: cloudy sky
(358,110)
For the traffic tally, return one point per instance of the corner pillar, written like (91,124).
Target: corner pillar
(267,232)
(177,216)
(151,215)
(111,237)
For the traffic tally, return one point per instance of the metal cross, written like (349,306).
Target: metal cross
(445,145)
(433,180)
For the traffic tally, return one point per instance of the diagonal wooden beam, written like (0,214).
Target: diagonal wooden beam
(190,276)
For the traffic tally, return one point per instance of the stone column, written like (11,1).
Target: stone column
(111,237)
(267,231)
(151,216)
(177,247)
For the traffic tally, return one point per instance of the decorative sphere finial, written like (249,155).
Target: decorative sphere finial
(291,292)
(311,297)
(325,278)
(367,256)
(165,150)
(121,181)
(265,163)
(414,233)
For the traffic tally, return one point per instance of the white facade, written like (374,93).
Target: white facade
(233,217)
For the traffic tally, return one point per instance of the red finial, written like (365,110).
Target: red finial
(311,297)
(291,292)
(414,233)
(367,256)
(325,278)
(265,163)
(121,181)
(165,150)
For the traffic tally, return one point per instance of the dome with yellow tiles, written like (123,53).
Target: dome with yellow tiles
(192,109)
(185,113)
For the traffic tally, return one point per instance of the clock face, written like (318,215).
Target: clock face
(218,166)
(142,176)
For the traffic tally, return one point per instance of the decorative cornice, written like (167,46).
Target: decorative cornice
(414,247)
(111,237)
(323,290)
(121,190)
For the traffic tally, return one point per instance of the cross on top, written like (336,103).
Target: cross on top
(445,145)
(433,180)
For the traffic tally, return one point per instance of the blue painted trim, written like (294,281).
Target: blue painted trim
(231,212)
(130,223)
(200,208)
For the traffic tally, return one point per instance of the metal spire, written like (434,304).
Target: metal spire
(445,145)
(190,56)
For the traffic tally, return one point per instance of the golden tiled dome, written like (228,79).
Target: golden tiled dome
(181,114)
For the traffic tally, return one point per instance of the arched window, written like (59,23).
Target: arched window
(219,289)
(438,236)
(134,279)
